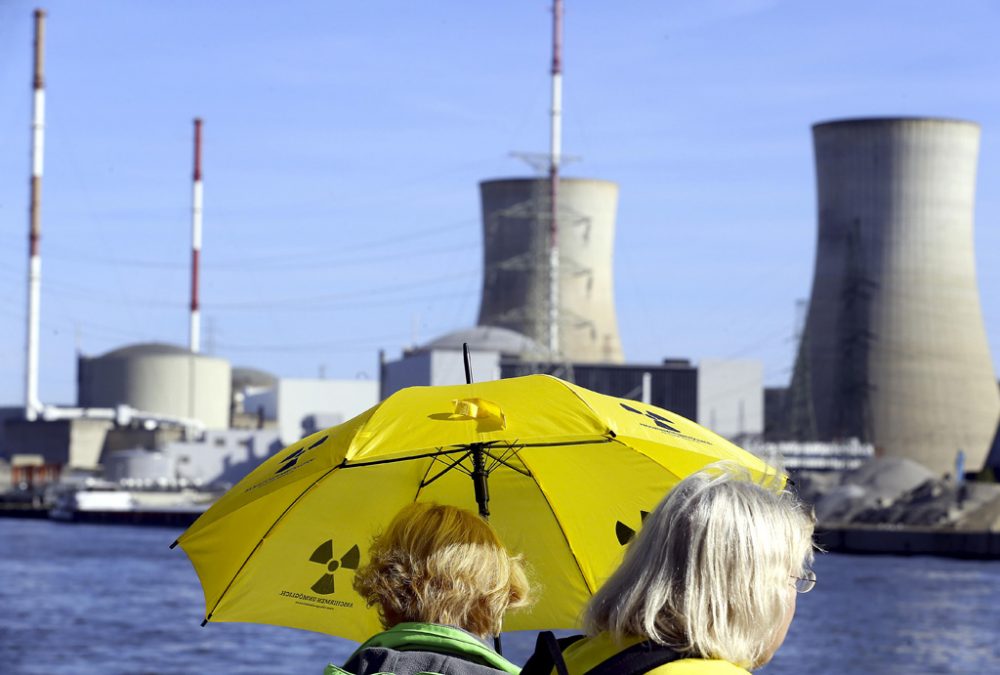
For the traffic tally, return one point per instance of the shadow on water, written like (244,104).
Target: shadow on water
(114,599)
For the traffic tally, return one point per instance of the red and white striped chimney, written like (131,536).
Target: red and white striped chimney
(195,337)
(555,154)
(32,403)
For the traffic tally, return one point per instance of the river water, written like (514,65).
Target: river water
(88,599)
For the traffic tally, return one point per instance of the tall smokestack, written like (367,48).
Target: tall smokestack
(549,280)
(555,150)
(32,404)
(195,337)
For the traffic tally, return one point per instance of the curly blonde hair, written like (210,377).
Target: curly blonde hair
(441,564)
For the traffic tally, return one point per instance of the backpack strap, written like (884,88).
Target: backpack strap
(639,658)
(447,640)
(337,670)
(548,654)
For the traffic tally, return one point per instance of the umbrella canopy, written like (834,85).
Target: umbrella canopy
(565,475)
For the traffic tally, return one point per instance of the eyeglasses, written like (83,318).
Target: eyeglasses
(806,583)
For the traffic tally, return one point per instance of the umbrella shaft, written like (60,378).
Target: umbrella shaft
(479,477)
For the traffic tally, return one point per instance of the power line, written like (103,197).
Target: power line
(358,304)
(306,258)
(297,300)
(356,344)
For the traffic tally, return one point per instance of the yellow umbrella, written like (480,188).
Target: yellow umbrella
(564,474)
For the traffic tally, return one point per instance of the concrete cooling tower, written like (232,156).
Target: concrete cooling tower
(894,350)
(515,271)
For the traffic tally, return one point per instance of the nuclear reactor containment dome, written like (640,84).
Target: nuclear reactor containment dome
(516,221)
(158,378)
(894,350)
(490,338)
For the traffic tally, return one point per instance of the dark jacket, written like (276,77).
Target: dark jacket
(410,648)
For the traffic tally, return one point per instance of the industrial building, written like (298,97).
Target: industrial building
(726,395)
(516,248)
(441,362)
(298,407)
(148,406)
(894,351)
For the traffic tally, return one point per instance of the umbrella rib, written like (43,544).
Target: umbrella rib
(424,483)
(464,448)
(509,450)
(420,485)
(502,460)
(409,458)
(264,536)
(556,444)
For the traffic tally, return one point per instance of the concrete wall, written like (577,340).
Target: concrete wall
(895,350)
(263,402)
(333,401)
(410,370)
(221,457)
(731,397)
(983,545)
(515,294)
(68,443)
(125,438)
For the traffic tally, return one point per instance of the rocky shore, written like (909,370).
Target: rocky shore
(896,506)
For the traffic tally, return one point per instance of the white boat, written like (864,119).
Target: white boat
(105,502)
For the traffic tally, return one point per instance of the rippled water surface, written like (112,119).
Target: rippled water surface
(89,599)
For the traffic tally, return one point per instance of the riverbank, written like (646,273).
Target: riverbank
(22,510)
(857,539)
(890,540)
(152,518)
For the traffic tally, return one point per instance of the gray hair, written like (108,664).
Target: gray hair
(708,573)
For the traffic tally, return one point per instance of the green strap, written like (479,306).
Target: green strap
(334,670)
(441,639)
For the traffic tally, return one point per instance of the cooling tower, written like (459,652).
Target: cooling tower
(895,350)
(515,271)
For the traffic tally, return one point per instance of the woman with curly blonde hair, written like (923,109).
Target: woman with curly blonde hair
(441,581)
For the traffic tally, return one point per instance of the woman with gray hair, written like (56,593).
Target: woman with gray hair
(708,586)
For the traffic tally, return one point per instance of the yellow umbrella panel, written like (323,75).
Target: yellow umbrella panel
(565,475)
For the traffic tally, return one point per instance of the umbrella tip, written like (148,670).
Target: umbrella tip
(176,541)
(205,622)
(467,358)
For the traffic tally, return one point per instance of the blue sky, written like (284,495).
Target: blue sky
(344,143)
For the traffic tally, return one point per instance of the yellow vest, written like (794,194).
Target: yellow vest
(584,654)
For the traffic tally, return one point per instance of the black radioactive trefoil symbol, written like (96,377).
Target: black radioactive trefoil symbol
(293,458)
(661,421)
(324,556)
(290,461)
(658,419)
(625,533)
